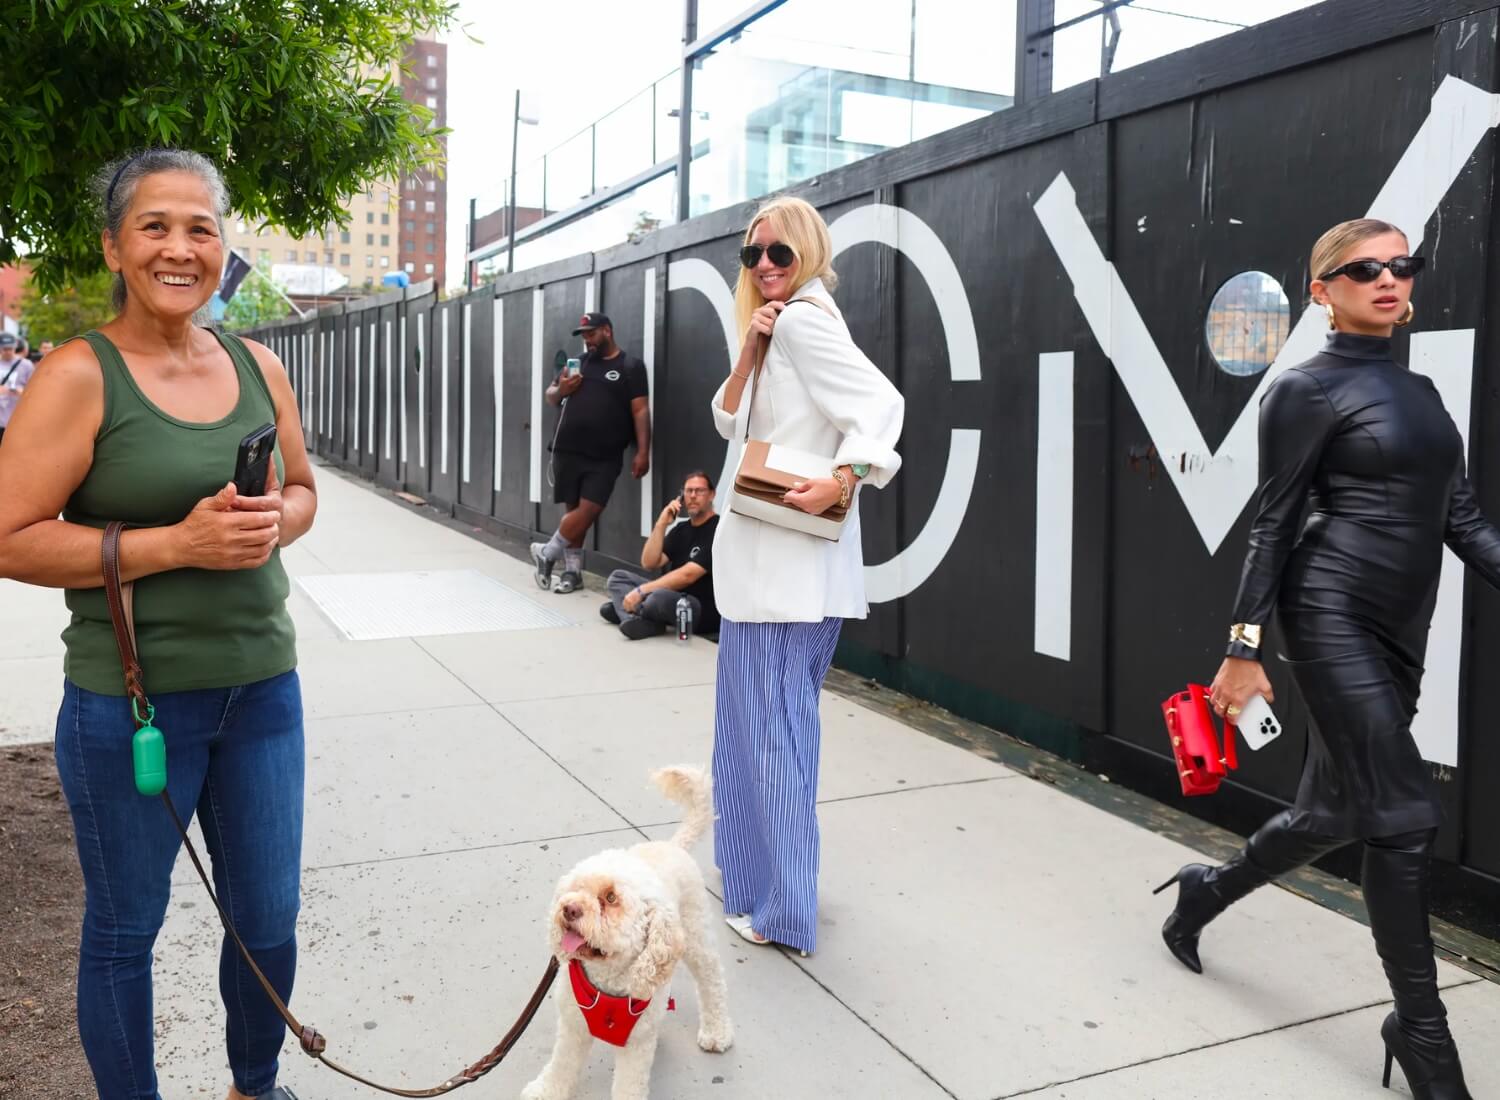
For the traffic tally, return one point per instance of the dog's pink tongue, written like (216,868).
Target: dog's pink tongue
(571,941)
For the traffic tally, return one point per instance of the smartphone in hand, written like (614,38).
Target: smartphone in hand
(253,462)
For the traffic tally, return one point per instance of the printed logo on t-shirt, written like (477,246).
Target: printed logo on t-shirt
(694,552)
(612,375)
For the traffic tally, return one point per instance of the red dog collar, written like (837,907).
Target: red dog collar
(609,1017)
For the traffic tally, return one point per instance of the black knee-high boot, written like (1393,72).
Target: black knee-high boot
(1280,845)
(1395,880)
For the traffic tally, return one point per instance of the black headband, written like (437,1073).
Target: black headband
(109,195)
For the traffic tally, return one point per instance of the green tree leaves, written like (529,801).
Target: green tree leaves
(295,100)
(67,311)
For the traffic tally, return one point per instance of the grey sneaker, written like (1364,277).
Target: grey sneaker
(542,565)
(568,582)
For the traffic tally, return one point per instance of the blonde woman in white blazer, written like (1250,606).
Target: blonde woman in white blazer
(782,594)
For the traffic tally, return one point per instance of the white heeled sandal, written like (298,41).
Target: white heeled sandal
(740,922)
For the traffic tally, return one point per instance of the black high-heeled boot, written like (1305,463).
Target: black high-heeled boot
(1416,1034)
(1203,893)
(1280,845)
(1432,1076)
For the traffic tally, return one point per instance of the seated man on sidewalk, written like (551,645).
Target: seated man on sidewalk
(643,606)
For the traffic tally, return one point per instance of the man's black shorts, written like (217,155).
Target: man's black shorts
(578,477)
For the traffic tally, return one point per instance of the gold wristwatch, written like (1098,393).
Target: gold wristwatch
(1247,634)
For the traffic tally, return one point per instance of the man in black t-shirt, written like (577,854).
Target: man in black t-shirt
(605,408)
(643,605)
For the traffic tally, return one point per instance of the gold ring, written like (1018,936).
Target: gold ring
(1231,710)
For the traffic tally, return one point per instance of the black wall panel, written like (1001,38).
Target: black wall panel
(513,502)
(477,401)
(443,402)
(562,305)
(622,295)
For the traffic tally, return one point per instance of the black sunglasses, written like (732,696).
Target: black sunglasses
(1367,271)
(781,254)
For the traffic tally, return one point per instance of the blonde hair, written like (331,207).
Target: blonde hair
(797,223)
(1332,245)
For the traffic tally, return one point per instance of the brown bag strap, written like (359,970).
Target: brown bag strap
(118,596)
(761,346)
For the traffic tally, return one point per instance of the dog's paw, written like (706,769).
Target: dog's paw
(716,1038)
(537,1090)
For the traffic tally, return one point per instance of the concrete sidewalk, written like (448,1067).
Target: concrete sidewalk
(982,935)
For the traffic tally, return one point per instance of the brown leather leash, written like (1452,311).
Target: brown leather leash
(312,1042)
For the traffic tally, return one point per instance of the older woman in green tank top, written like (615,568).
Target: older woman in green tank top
(141,422)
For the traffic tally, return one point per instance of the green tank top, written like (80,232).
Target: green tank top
(195,628)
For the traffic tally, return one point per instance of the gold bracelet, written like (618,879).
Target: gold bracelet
(737,374)
(844,488)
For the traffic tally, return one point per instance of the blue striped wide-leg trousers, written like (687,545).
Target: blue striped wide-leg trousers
(765,770)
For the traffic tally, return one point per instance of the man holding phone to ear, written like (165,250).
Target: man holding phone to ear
(643,606)
(605,407)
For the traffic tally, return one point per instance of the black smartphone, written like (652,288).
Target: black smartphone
(254,460)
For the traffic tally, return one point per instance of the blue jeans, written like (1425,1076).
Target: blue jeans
(235,758)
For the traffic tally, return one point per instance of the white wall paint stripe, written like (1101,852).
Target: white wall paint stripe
(467,393)
(1053,616)
(590,293)
(702,276)
(354,331)
(387,432)
(498,370)
(536,395)
(424,367)
(371,389)
(443,414)
(401,359)
(1448,359)
(648,356)
(903,574)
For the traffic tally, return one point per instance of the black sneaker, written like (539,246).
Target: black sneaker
(608,613)
(568,582)
(637,628)
(542,565)
(278,1093)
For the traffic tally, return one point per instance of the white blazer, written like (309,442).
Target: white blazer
(818,392)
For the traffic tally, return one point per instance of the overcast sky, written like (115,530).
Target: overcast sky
(573,70)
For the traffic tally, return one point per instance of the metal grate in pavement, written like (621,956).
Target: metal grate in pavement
(369,606)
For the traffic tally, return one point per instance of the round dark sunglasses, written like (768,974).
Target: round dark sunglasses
(1367,271)
(781,254)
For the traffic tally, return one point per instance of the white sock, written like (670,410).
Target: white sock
(553,551)
(573,560)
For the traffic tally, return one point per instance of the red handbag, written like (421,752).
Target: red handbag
(1201,764)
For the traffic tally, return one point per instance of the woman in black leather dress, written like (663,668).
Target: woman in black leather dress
(1367,447)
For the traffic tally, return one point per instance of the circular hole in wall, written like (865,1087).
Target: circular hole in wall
(1248,322)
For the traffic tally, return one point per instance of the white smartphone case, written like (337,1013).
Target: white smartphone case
(1256,724)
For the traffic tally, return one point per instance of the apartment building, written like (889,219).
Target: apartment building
(424,196)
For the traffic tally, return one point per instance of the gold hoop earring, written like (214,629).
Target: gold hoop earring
(1411,311)
(1331,325)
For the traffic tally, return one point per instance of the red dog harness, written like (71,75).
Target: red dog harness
(609,1017)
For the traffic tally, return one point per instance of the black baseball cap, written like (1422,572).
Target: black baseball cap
(591,320)
(8,339)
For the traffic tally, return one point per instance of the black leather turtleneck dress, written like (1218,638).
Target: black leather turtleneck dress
(1366,447)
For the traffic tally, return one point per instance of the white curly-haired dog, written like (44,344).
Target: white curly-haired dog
(620,922)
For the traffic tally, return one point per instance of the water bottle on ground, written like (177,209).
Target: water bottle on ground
(684,619)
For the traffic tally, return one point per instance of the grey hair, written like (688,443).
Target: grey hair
(116,182)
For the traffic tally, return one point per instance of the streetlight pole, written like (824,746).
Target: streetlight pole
(510,221)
